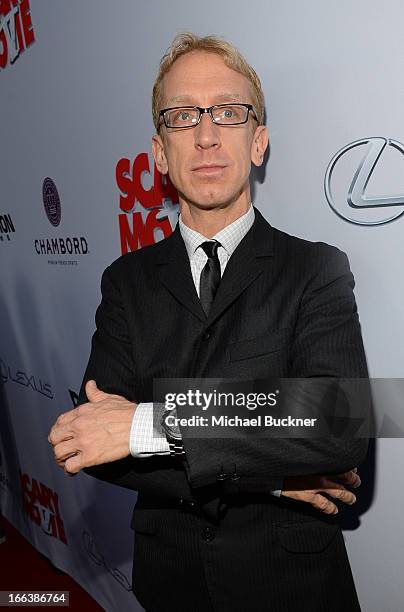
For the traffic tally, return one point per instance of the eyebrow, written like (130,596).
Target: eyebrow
(187,98)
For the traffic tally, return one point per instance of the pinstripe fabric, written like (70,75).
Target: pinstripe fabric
(285,307)
(262,559)
(144,441)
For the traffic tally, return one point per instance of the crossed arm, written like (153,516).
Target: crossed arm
(97,433)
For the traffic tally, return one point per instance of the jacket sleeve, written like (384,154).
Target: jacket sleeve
(111,366)
(327,343)
(111,355)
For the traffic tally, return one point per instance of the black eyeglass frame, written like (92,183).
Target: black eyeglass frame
(209,110)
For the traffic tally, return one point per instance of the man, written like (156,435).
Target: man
(226,295)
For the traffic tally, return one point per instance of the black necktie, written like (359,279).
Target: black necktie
(210,275)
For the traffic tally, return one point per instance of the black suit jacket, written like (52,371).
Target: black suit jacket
(285,308)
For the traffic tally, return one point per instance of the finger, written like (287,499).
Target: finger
(350,478)
(323,504)
(357,483)
(342,494)
(91,390)
(64,450)
(62,463)
(94,394)
(63,419)
(73,465)
(315,499)
(97,395)
(60,434)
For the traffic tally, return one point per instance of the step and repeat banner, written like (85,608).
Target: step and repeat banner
(78,187)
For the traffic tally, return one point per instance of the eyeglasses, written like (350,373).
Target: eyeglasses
(221,114)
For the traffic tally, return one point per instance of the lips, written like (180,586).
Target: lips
(209,168)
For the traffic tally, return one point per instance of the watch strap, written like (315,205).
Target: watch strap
(176,448)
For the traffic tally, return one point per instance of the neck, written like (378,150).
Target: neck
(209,222)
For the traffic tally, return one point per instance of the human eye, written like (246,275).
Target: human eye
(182,116)
(226,112)
(229,114)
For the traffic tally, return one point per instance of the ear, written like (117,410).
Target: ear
(159,154)
(259,145)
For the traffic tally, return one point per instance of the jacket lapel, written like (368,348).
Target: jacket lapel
(245,265)
(174,271)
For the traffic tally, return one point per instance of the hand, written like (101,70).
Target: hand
(94,433)
(309,489)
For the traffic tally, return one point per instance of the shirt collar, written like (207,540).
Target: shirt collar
(229,237)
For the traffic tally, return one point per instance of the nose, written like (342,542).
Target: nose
(207,133)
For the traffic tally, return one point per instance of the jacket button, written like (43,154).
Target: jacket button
(234,477)
(206,334)
(186,505)
(222,476)
(208,534)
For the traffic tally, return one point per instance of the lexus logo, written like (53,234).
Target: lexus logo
(356,207)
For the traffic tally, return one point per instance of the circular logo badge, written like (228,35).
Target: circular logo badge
(349,199)
(51,201)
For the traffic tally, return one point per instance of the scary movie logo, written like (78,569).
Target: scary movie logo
(148,201)
(41,505)
(16,30)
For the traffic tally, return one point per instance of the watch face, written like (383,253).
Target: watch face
(171,429)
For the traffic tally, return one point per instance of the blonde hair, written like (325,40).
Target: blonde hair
(185,43)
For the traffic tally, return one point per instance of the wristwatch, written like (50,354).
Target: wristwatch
(173,435)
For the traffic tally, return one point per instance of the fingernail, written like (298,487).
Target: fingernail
(357,483)
(354,500)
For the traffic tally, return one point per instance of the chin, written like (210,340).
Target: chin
(210,204)
(211,199)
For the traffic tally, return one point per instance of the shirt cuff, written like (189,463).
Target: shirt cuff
(145,440)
